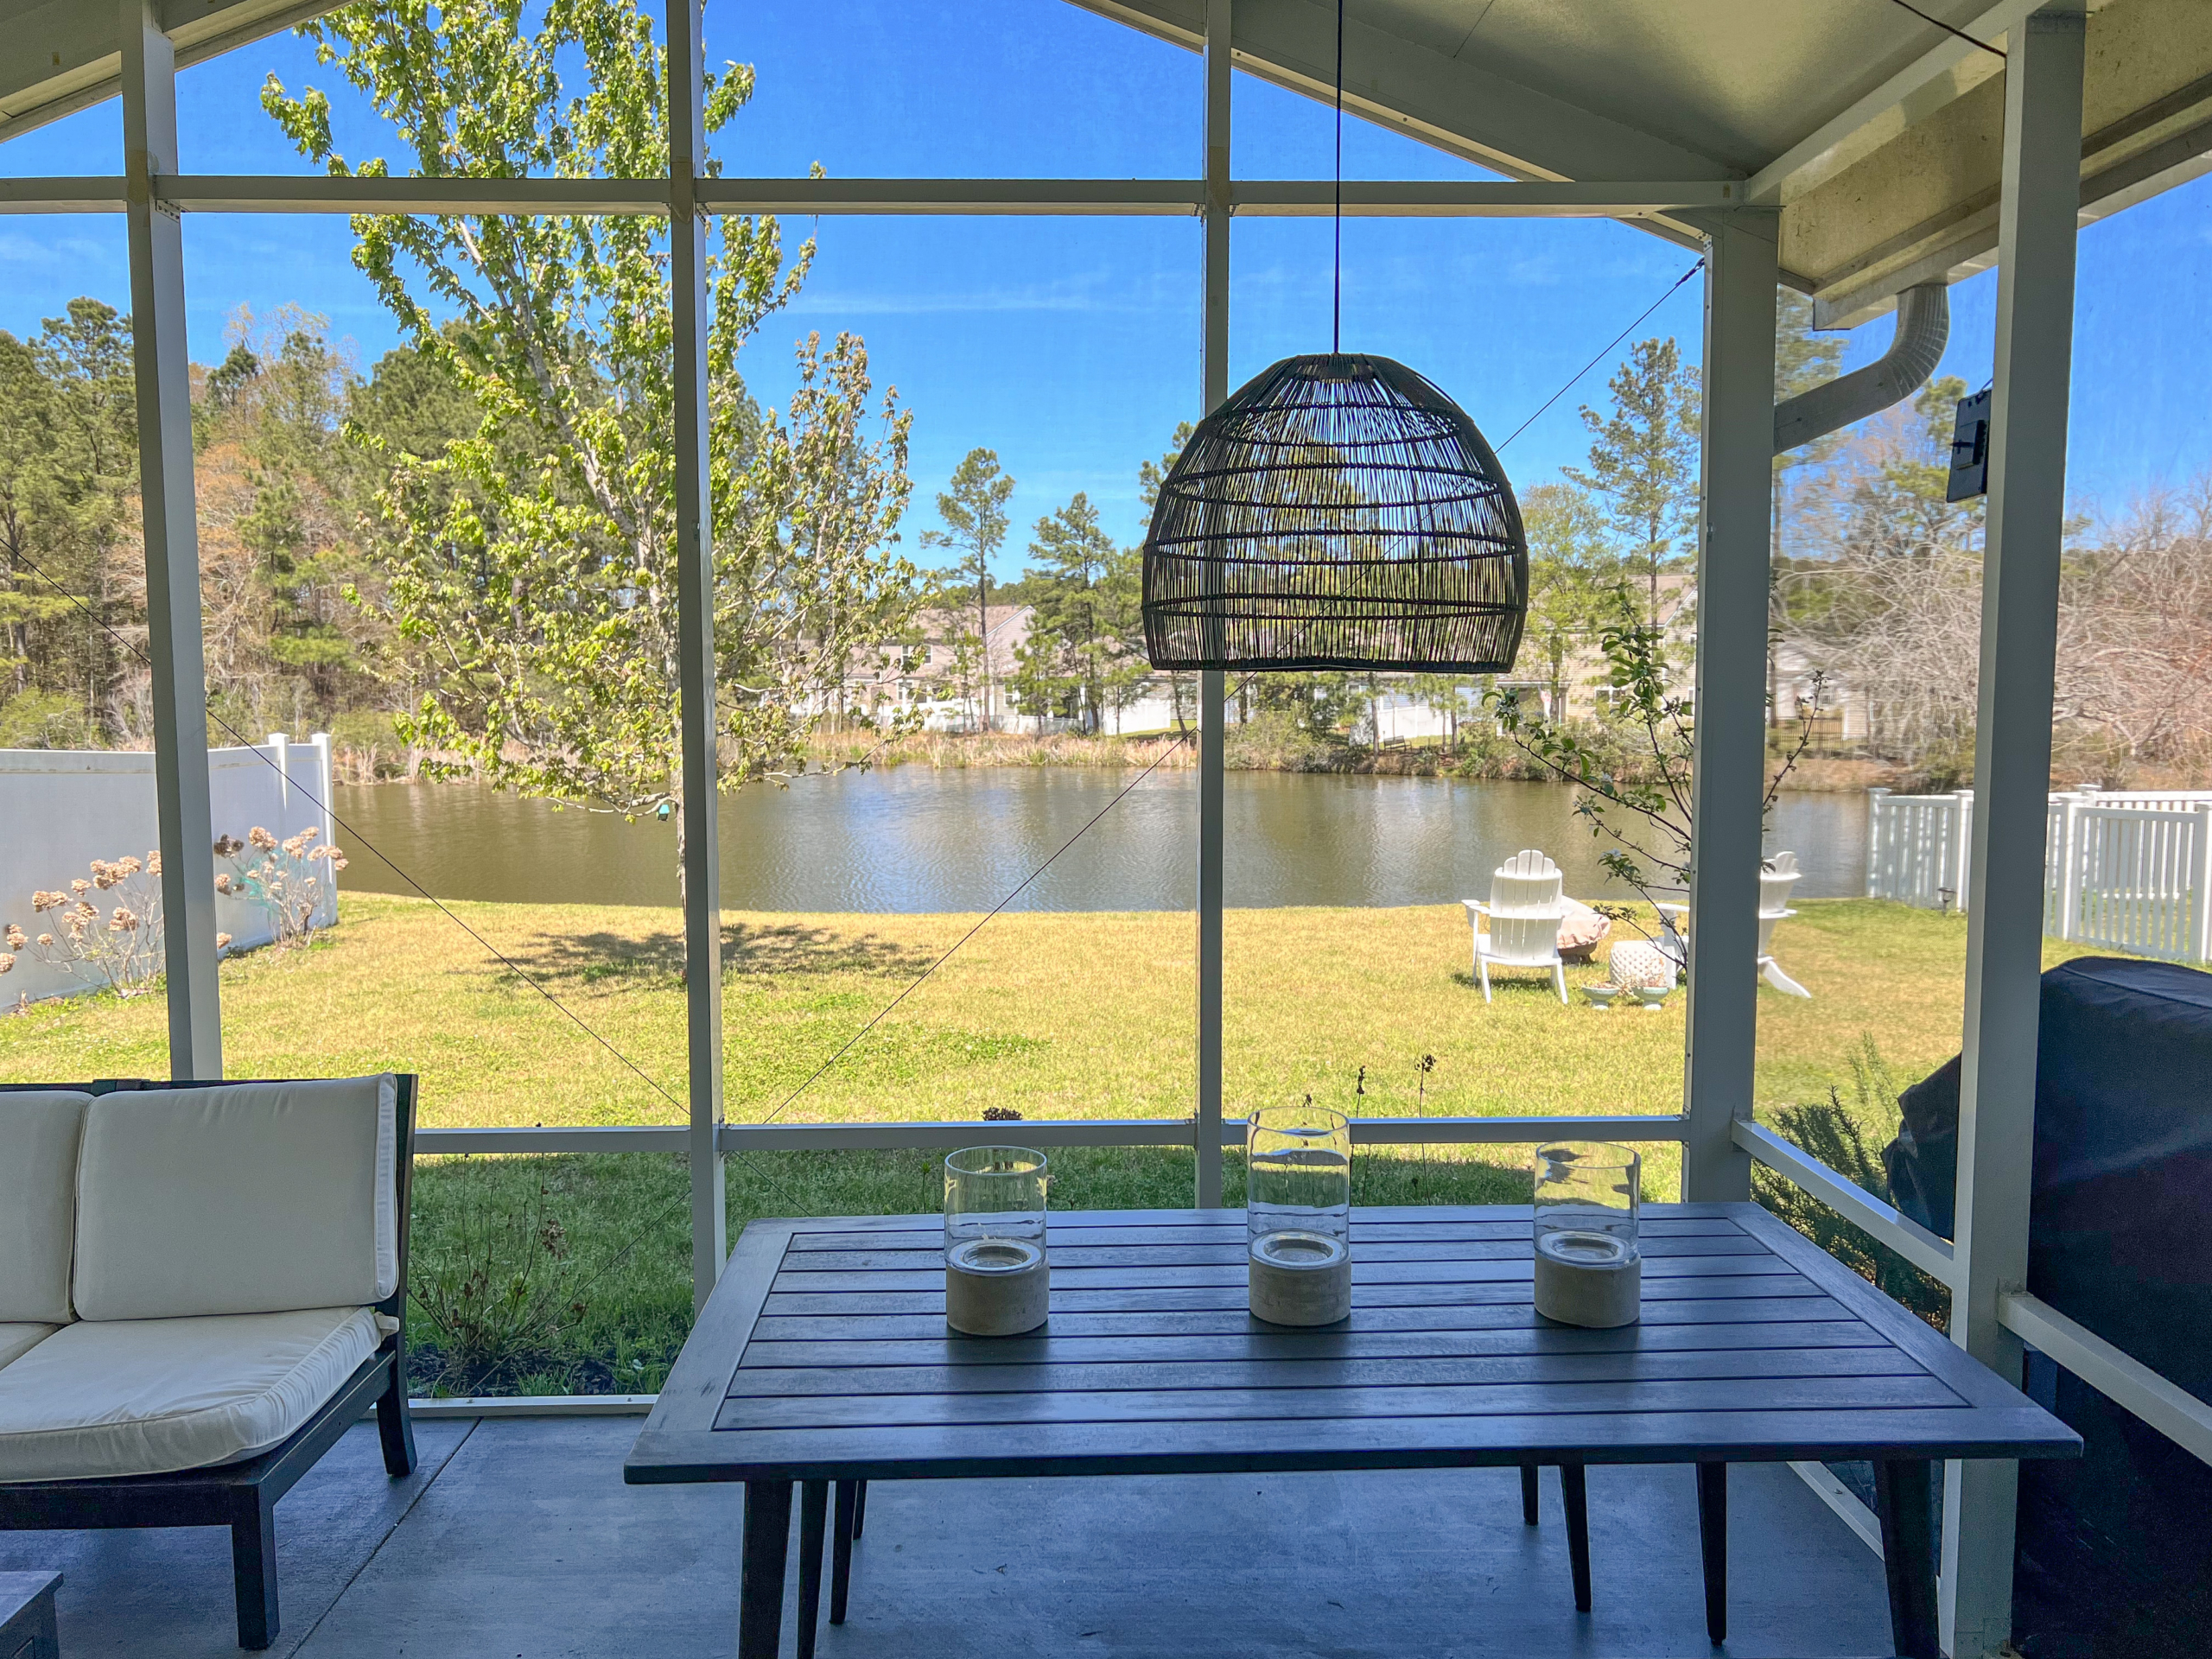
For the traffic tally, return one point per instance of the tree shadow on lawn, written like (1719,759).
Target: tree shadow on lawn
(779,948)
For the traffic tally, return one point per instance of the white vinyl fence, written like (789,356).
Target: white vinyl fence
(2129,871)
(61,809)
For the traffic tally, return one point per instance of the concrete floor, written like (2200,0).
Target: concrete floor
(518,1537)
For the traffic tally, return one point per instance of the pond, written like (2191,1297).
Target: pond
(919,839)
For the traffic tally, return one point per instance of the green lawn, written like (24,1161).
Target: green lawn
(1058,1015)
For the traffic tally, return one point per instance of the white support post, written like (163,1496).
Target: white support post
(1963,846)
(2200,883)
(1213,713)
(172,538)
(2019,625)
(1877,811)
(280,751)
(1728,767)
(2073,850)
(702,903)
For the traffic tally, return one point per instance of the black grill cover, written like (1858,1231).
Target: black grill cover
(2115,1551)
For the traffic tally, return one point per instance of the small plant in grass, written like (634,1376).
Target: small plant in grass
(497,1290)
(286,880)
(106,930)
(1831,1133)
(1641,806)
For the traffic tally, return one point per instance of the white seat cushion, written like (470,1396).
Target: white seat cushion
(39,1134)
(249,1197)
(17,1340)
(145,1397)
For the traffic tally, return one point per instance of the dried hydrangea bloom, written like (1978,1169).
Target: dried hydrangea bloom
(261,839)
(46,939)
(123,921)
(43,900)
(153,862)
(6,961)
(228,846)
(222,941)
(225,882)
(79,885)
(14,936)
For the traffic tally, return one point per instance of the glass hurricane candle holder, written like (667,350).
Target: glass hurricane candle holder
(1298,1214)
(1589,1262)
(997,1277)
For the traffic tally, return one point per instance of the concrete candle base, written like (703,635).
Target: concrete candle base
(996,1287)
(1299,1279)
(1597,1294)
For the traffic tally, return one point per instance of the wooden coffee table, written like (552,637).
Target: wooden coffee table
(823,1356)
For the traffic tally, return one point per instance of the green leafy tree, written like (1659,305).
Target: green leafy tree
(533,560)
(1573,579)
(1081,586)
(1182,684)
(972,508)
(68,466)
(1643,459)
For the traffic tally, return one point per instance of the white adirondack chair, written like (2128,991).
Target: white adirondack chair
(1777,875)
(1526,901)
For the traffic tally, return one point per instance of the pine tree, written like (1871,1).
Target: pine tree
(1643,458)
(972,509)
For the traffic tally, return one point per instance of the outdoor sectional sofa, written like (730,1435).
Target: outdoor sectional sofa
(202,1287)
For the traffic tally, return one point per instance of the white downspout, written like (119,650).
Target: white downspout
(1923,327)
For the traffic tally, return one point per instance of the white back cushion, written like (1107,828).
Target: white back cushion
(39,1133)
(248,1198)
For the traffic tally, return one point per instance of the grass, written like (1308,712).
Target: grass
(1054,1015)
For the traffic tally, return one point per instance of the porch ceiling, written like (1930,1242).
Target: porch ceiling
(1875,133)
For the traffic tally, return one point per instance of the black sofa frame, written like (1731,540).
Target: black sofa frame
(243,1496)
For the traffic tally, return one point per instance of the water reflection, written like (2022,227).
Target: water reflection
(912,839)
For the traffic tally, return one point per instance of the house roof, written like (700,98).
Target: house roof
(1876,134)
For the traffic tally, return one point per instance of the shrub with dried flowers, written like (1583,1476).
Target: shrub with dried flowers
(287,879)
(114,939)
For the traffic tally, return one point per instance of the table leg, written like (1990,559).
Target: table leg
(760,1576)
(840,1551)
(1528,1494)
(1712,1537)
(1903,1491)
(860,1508)
(1573,1488)
(813,1509)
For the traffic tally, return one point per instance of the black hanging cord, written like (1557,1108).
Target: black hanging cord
(363,842)
(1601,356)
(1994,51)
(1337,284)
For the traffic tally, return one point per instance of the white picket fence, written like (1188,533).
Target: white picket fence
(2125,870)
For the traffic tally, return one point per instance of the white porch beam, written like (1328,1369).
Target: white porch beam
(694,541)
(2019,627)
(172,540)
(1929,81)
(1069,198)
(1213,712)
(1481,198)
(1728,768)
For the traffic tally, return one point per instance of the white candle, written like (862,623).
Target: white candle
(996,1287)
(1588,1279)
(1300,1278)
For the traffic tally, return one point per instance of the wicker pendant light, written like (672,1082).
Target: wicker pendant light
(1339,512)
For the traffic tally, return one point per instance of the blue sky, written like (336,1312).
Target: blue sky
(1071,347)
